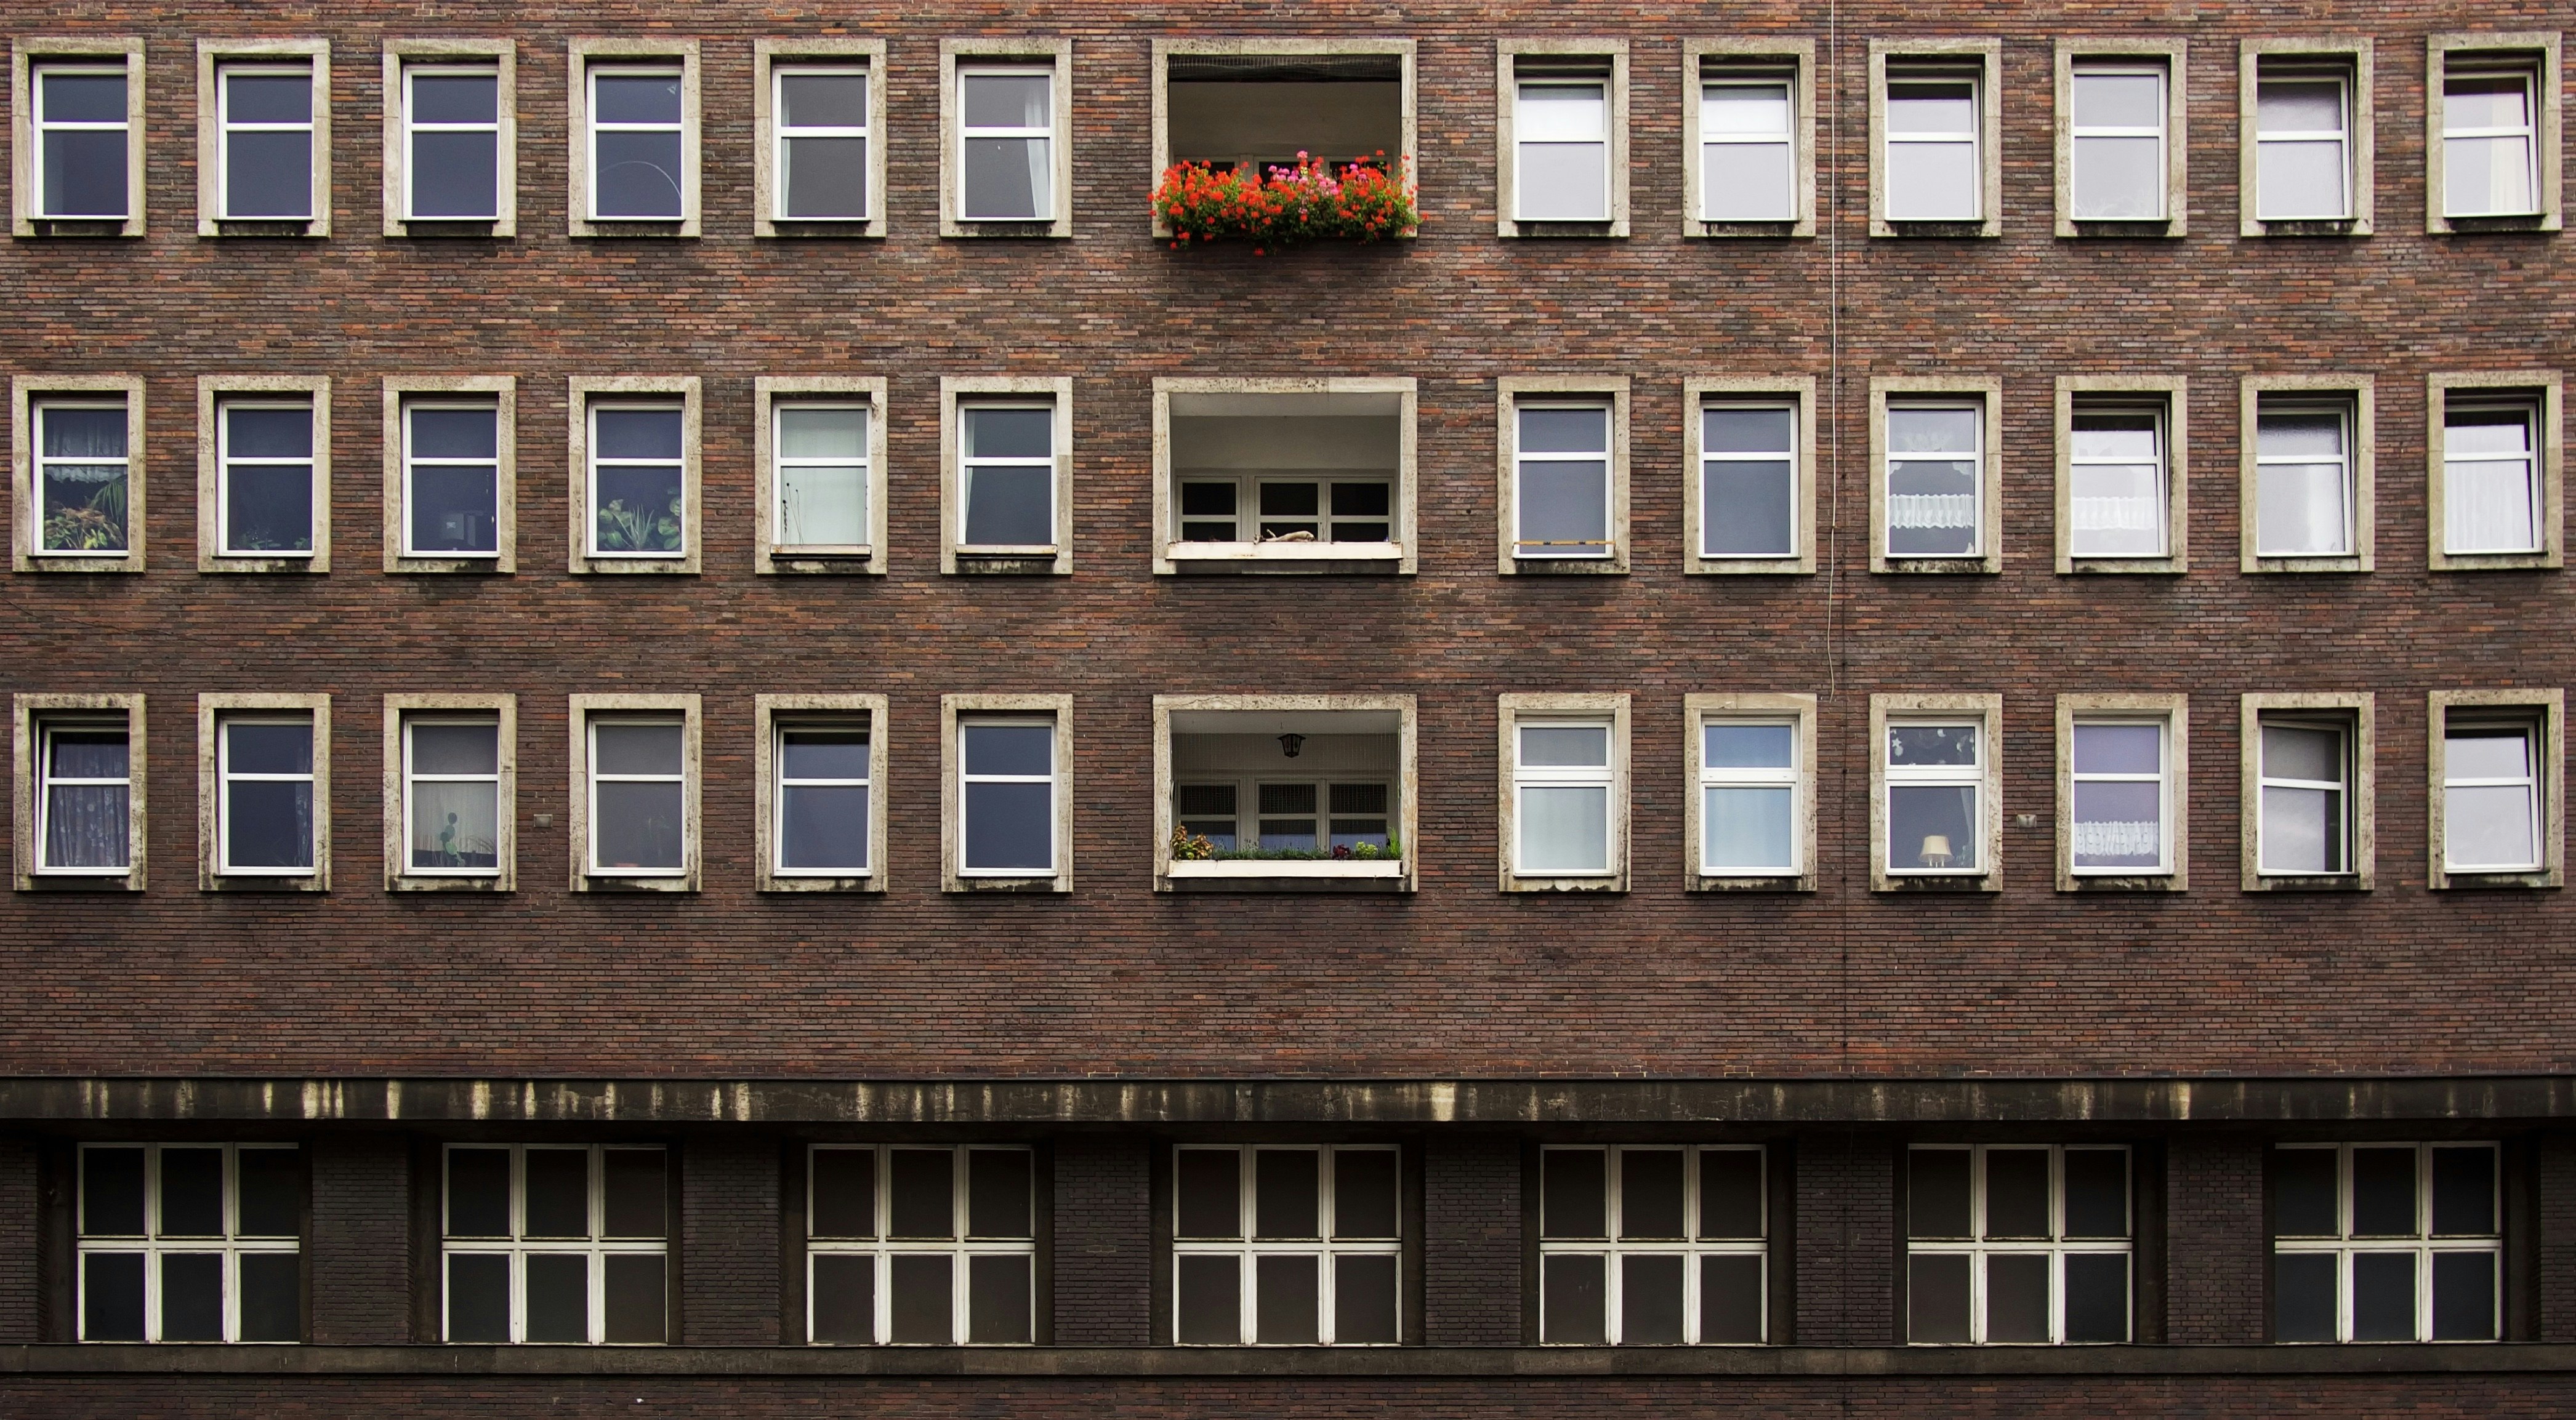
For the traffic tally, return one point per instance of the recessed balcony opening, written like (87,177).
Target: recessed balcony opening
(1256,112)
(1311,482)
(1300,797)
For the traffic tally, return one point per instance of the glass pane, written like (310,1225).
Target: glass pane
(1936,1297)
(823,827)
(1747,509)
(252,748)
(2119,179)
(558,1296)
(1574,1301)
(1364,1304)
(558,1184)
(1933,182)
(2017,1193)
(1574,1199)
(455,825)
(268,98)
(1010,827)
(2097,1193)
(639,507)
(2118,825)
(1285,1193)
(1650,1193)
(997,1193)
(269,1193)
(262,433)
(1211,1193)
(86,826)
(455,98)
(85,172)
(98,96)
(112,1296)
(2488,503)
(268,173)
(478,1297)
(632,1293)
(455,175)
(633,1193)
(192,1193)
(2383,1193)
(1730,1193)
(1915,429)
(1010,432)
(1749,830)
(1748,109)
(1210,1301)
(2383,1296)
(456,748)
(1564,431)
(2299,106)
(1006,179)
(1565,506)
(1931,827)
(1561,113)
(2300,180)
(2017,1297)
(1735,745)
(2119,100)
(455,508)
(823,506)
(1730,1299)
(2119,749)
(638,175)
(2302,831)
(925,1300)
(924,1188)
(845,1299)
(2299,511)
(823,100)
(111,1193)
(84,505)
(268,508)
(1936,1193)
(272,1302)
(635,98)
(1932,508)
(1287,1299)
(2464,1296)
(2464,1192)
(1009,749)
(192,1296)
(2097,1296)
(2303,1295)
(1364,1202)
(1008,100)
(1650,1300)
(1931,107)
(2294,752)
(2303,1194)
(1563,182)
(2481,177)
(2116,510)
(1564,828)
(998,1300)
(827,177)
(845,1193)
(478,1193)
(1010,506)
(638,825)
(1746,182)
(2489,828)
(268,824)
(1565,746)
(637,747)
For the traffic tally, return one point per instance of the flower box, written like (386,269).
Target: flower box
(1313,201)
(1287,868)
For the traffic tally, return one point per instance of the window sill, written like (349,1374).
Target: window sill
(450,229)
(2294,882)
(296,227)
(2306,227)
(1615,566)
(1938,566)
(2538,878)
(121,562)
(617,228)
(2496,562)
(424,882)
(2531,223)
(222,563)
(1606,882)
(1902,228)
(262,882)
(613,882)
(1727,883)
(1007,228)
(2120,882)
(1884,881)
(1312,558)
(1008,562)
(824,229)
(1775,231)
(1802,565)
(120,881)
(1050,883)
(779,882)
(448,566)
(2133,229)
(2123,567)
(2260,564)
(817,561)
(1288,875)
(1605,229)
(77,227)
(593,563)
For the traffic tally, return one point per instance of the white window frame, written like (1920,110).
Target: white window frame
(1546,55)
(402,394)
(956,711)
(497,57)
(232,1245)
(772,58)
(2536,54)
(33,718)
(2168,398)
(2057,1247)
(217,396)
(587,393)
(1798,395)
(29,397)
(45,730)
(400,713)
(1986,398)
(1614,1250)
(2170,60)
(29,61)
(957,394)
(1324,1248)
(1986,712)
(518,1247)
(961,1246)
(1515,712)
(1609,394)
(1029,53)
(2541,713)
(587,57)
(2347,60)
(274,56)
(2540,392)
(2353,397)
(2171,714)
(682,709)
(2422,1244)
(2351,713)
(776,714)
(1798,711)
(214,712)
(1974,61)
(1715,61)
(770,555)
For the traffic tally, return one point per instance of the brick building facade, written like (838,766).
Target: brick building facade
(1049,963)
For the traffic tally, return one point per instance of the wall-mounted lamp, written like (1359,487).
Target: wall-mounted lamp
(1290,744)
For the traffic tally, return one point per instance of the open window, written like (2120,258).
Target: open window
(2496,454)
(76,109)
(1284,475)
(2491,143)
(2496,774)
(1284,793)
(1252,105)
(2304,163)
(2306,795)
(79,797)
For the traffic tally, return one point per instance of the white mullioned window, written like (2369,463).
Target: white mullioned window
(1936,784)
(1934,164)
(1935,483)
(821,799)
(2386,1242)
(1284,506)
(638,795)
(265,110)
(2491,499)
(1747,149)
(2304,824)
(920,1245)
(1749,784)
(1007,476)
(451,478)
(1561,480)
(637,141)
(2122,815)
(2491,801)
(2303,471)
(2118,141)
(638,480)
(264,769)
(451,795)
(191,1242)
(2118,466)
(2490,148)
(2303,144)
(1644,1245)
(84,796)
(2017,1244)
(83,475)
(267,491)
(451,116)
(1006,143)
(821,473)
(1288,815)
(1286,1245)
(556,1243)
(821,157)
(83,141)
(1007,796)
(1748,479)
(1561,142)
(1562,785)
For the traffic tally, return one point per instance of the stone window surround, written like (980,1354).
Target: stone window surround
(1507,56)
(1408,815)
(212,55)
(406,52)
(2545,389)
(692,778)
(1510,710)
(775,710)
(767,57)
(212,709)
(1797,53)
(26,393)
(2175,711)
(2545,708)
(1268,559)
(25,56)
(29,712)
(1401,50)
(1698,710)
(2355,709)
(1987,55)
(2542,47)
(2174,55)
(957,390)
(1988,712)
(2354,53)
(1988,395)
(1509,391)
(1698,393)
(212,393)
(1056,54)
(952,845)
(581,55)
(615,388)
(504,392)
(771,391)
(398,876)
(2172,392)
(2355,391)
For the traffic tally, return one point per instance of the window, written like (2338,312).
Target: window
(2118,167)
(1254,789)
(1934,110)
(1007,760)
(635,135)
(271,495)
(1003,104)
(86,500)
(1565,793)
(921,1245)
(1007,444)
(1251,106)
(264,769)
(2492,141)
(2122,499)
(637,790)
(264,146)
(451,137)
(556,1243)
(635,471)
(1751,508)
(191,1242)
(1312,475)
(821,763)
(2122,764)
(1564,496)
(1286,1245)
(821,471)
(451,795)
(2386,1242)
(2306,151)
(2308,474)
(1749,779)
(2495,481)
(1645,1245)
(456,442)
(1564,137)
(80,791)
(2307,783)
(2016,1244)
(1933,476)
(1748,137)
(1935,784)
(79,128)
(2495,788)
(821,113)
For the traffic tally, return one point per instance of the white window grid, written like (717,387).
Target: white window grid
(413,126)
(1908,511)
(46,123)
(1791,777)
(1967,137)
(1522,460)
(782,463)
(414,462)
(2268,140)
(680,776)
(1055,845)
(2342,462)
(1247,805)
(518,1246)
(2346,1244)
(1527,90)
(1970,776)
(2528,782)
(45,464)
(2461,476)
(2128,838)
(598,125)
(1615,1250)
(1711,459)
(2057,1246)
(1526,776)
(1785,140)
(780,732)
(968,462)
(1048,199)
(2525,132)
(227,777)
(1247,504)
(224,76)
(228,461)
(2081,131)
(1325,1248)
(413,777)
(2341,787)
(232,1245)
(884,1247)
(2135,514)
(600,462)
(47,781)
(778,77)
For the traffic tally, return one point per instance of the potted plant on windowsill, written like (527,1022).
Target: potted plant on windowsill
(1194,856)
(1362,201)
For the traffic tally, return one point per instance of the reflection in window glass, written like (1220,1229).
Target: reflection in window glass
(636,136)
(1006,137)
